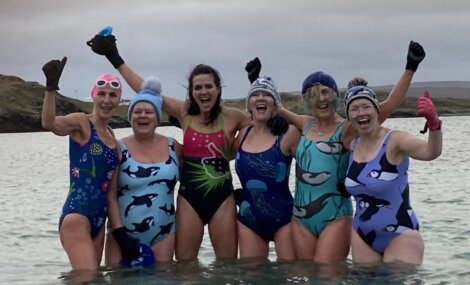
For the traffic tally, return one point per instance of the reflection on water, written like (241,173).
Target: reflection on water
(252,272)
(34,183)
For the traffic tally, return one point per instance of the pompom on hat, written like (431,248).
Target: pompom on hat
(105,81)
(322,78)
(150,93)
(264,84)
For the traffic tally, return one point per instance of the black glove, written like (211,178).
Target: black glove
(106,45)
(278,125)
(237,195)
(53,69)
(128,245)
(416,54)
(253,67)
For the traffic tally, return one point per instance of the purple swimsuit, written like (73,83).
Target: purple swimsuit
(381,191)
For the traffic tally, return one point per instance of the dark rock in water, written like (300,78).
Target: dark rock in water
(118,122)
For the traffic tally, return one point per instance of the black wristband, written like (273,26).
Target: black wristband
(52,85)
(411,65)
(115,60)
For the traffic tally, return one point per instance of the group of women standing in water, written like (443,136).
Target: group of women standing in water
(131,180)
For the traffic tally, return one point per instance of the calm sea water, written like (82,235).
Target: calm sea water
(34,183)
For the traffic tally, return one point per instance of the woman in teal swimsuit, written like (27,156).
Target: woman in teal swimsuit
(322,211)
(93,160)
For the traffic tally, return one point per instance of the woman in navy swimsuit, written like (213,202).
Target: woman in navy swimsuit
(263,165)
(93,160)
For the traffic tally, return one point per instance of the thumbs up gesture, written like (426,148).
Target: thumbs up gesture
(53,70)
(426,109)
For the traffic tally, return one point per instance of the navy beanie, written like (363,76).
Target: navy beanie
(322,78)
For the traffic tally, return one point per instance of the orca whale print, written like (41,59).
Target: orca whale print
(314,207)
(167,211)
(142,226)
(141,171)
(164,230)
(139,201)
(170,183)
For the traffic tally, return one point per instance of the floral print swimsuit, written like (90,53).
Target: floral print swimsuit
(91,167)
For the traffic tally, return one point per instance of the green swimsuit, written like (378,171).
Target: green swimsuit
(320,171)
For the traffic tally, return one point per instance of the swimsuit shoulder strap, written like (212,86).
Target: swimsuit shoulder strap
(387,137)
(354,143)
(339,128)
(122,145)
(245,135)
(307,127)
(92,127)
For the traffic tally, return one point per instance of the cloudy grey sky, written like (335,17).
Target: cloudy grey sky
(292,38)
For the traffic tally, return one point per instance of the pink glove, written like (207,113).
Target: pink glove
(426,108)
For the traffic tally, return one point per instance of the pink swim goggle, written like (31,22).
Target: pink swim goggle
(106,81)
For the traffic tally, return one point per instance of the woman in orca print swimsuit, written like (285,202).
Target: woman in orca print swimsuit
(141,199)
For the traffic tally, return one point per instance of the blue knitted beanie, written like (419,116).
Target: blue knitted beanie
(150,93)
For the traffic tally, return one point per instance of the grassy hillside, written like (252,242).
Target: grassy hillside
(21,106)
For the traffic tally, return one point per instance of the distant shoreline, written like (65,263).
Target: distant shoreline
(22,104)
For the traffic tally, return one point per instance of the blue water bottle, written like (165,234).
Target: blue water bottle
(106,31)
(145,258)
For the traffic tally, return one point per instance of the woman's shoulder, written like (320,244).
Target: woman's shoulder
(80,115)
(83,119)
(80,126)
(170,140)
(130,139)
(234,119)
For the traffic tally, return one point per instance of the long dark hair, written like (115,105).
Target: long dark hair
(193,108)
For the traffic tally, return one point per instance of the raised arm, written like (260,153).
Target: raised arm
(415,55)
(298,121)
(59,125)
(106,46)
(416,147)
(240,117)
(253,69)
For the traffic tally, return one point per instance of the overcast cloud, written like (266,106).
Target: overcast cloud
(292,38)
